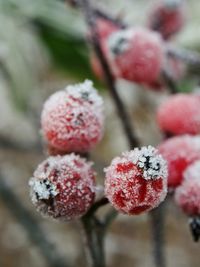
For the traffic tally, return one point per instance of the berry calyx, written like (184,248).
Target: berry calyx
(180,114)
(72,119)
(167,17)
(63,187)
(137,181)
(179,152)
(133,52)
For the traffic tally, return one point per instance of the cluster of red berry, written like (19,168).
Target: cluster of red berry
(138,54)
(63,186)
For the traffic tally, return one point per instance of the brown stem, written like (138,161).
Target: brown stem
(157,218)
(94,239)
(109,79)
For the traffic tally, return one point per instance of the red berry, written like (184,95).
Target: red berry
(63,187)
(136,54)
(179,152)
(180,114)
(167,17)
(187,195)
(137,181)
(72,119)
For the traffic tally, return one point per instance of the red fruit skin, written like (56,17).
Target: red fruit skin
(71,122)
(187,195)
(179,152)
(168,21)
(62,187)
(133,52)
(127,189)
(180,114)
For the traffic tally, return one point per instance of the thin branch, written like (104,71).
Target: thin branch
(170,83)
(190,57)
(96,206)
(157,217)
(94,239)
(110,81)
(31,226)
(98,13)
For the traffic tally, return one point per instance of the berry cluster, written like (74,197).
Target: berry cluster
(63,186)
(137,54)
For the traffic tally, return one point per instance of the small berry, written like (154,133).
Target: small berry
(167,17)
(133,52)
(72,119)
(180,114)
(179,152)
(187,195)
(137,181)
(63,187)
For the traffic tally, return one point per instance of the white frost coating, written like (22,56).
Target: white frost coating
(42,188)
(193,171)
(118,42)
(85,91)
(148,160)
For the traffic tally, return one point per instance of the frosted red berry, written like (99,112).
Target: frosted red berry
(167,17)
(136,54)
(137,181)
(180,114)
(63,187)
(187,195)
(72,119)
(179,152)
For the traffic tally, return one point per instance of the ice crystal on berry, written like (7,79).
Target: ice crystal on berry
(63,187)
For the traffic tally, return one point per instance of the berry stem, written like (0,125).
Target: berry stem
(122,113)
(31,226)
(94,239)
(192,58)
(157,219)
(99,14)
(171,84)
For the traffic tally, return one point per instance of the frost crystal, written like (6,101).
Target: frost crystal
(85,91)
(43,189)
(149,161)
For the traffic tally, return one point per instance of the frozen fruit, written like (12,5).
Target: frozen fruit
(136,54)
(187,195)
(72,119)
(63,187)
(167,17)
(180,114)
(179,152)
(137,181)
